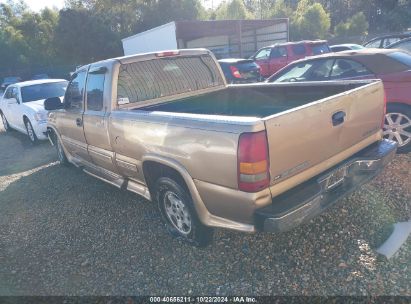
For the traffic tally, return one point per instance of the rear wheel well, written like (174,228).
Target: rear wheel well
(153,171)
(398,104)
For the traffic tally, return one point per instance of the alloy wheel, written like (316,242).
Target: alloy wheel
(177,212)
(397,127)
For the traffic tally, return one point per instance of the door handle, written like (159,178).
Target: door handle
(338,118)
(79,122)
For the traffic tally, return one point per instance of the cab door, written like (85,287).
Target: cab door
(278,59)
(96,118)
(262,58)
(70,120)
(12,108)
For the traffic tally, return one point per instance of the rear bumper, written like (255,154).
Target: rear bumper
(311,198)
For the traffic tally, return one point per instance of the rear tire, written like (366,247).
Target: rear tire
(6,125)
(397,126)
(30,131)
(179,215)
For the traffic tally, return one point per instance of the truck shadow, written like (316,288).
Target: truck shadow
(18,154)
(60,222)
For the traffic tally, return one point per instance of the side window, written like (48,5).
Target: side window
(15,94)
(391,40)
(95,89)
(344,68)
(321,70)
(374,44)
(278,52)
(298,49)
(263,54)
(73,99)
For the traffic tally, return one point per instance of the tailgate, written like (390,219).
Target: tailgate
(316,135)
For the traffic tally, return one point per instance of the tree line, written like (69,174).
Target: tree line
(56,41)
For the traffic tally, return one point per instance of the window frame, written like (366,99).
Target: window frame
(90,74)
(68,108)
(278,48)
(263,58)
(8,91)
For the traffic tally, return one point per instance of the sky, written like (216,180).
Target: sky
(37,5)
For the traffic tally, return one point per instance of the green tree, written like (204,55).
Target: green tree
(357,25)
(310,22)
(82,37)
(235,9)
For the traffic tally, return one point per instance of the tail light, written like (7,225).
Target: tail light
(385,111)
(235,72)
(253,162)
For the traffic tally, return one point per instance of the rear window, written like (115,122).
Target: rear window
(320,49)
(151,79)
(401,57)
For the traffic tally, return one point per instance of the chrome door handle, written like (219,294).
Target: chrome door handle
(79,122)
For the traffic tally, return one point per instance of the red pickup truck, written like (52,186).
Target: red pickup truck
(275,57)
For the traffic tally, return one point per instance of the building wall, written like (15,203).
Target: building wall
(158,39)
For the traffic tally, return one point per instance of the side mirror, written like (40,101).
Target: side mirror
(53,103)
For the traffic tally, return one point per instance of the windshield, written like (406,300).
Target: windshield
(43,91)
(305,71)
(402,57)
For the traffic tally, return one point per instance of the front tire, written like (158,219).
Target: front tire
(30,131)
(397,126)
(6,125)
(179,215)
(61,155)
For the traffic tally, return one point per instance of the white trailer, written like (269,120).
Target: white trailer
(226,38)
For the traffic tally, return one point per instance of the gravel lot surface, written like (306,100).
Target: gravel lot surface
(63,232)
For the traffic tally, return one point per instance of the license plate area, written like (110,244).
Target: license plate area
(335,179)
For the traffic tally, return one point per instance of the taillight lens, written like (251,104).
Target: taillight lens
(385,110)
(235,72)
(253,162)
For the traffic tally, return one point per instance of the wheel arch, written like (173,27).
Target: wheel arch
(153,168)
(398,104)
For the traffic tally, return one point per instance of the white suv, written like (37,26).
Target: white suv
(22,106)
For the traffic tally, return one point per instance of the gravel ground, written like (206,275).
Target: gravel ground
(63,232)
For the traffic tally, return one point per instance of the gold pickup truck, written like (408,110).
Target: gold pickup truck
(258,157)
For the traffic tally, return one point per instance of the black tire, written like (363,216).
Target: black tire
(401,116)
(195,233)
(6,125)
(61,155)
(30,131)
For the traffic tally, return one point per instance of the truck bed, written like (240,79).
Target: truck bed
(259,100)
